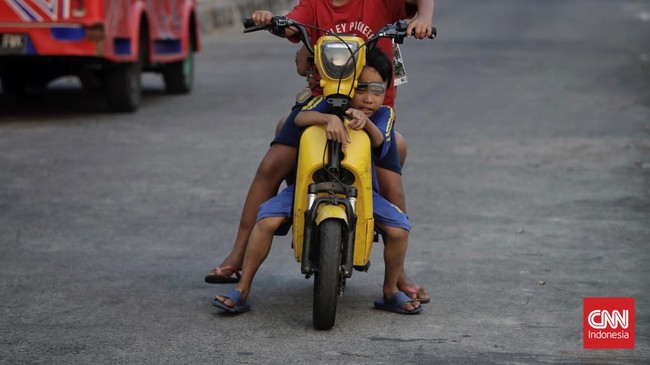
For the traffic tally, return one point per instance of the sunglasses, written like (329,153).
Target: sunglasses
(374,87)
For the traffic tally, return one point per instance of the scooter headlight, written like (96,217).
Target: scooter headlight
(337,58)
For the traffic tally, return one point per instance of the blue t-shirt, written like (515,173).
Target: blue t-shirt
(383,118)
(384,211)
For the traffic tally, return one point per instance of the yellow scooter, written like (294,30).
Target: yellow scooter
(333,225)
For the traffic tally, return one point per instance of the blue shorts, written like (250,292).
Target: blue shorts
(281,205)
(389,214)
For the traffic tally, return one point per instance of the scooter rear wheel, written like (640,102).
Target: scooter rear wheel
(327,278)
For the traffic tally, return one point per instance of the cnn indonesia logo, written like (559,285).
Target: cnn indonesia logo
(608,323)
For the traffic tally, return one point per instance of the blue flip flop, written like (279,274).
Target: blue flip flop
(240,304)
(396,303)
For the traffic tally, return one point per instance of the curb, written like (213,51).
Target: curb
(216,14)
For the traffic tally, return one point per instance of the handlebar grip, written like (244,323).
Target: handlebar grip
(402,25)
(249,26)
(249,23)
(434,33)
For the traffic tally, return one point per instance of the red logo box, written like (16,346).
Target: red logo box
(608,323)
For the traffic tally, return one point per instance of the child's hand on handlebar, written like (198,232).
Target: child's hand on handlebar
(421,26)
(262,17)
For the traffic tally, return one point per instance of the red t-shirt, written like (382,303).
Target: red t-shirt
(359,17)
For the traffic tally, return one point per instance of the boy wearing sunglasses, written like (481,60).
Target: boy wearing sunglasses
(362,17)
(367,113)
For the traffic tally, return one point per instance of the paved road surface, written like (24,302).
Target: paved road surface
(528,127)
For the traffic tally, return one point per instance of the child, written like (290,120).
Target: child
(280,159)
(366,113)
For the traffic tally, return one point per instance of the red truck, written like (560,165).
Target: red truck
(106,43)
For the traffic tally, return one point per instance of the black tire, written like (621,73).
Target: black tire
(179,75)
(123,87)
(327,278)
(123,81)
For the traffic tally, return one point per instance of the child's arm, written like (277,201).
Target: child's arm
(335,129)
(379,127)
(422,21)
(361,121)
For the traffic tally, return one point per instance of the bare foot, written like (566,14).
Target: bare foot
(413,290)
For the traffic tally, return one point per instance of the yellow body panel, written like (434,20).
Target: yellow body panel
(357,160)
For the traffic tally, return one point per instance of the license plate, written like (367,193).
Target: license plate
(12,43)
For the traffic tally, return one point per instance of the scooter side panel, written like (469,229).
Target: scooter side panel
(358,160)
(310,159)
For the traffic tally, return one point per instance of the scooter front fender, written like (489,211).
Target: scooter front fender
(331,211)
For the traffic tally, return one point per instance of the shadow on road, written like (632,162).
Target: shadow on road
(66,96)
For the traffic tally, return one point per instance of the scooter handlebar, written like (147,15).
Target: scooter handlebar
(397,31)
(249,26)
(249,23)
(277,25)
(434,33)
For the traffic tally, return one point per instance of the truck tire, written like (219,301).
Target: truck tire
(123,81)
(179,75)
(327,278)
(123,87)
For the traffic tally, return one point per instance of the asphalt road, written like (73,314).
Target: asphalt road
(528,125)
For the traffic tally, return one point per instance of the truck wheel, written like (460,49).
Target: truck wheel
(123,81)
(123,87)
(179,75)
(327,278)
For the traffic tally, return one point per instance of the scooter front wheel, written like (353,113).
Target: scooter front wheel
(327,278)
